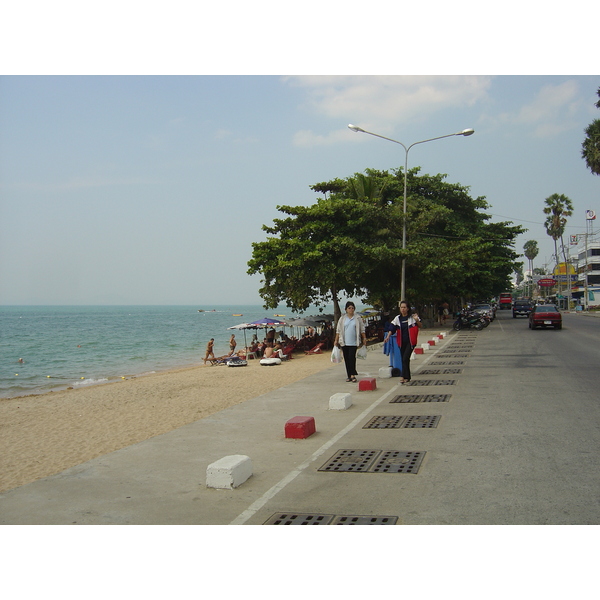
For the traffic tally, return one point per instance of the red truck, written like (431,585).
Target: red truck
(505,301)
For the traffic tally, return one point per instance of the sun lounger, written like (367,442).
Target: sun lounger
(316,350)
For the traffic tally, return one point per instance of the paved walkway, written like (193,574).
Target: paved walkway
(163,480)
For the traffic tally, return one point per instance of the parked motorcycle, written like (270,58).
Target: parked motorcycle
(467,320)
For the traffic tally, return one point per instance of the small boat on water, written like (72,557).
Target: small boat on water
(202,310)
(237,315)
(279,315)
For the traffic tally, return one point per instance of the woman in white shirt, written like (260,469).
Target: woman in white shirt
(350,336)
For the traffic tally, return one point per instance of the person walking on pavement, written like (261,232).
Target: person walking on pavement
(350,336)
(406,336)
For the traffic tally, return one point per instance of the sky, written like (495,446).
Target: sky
(134,182)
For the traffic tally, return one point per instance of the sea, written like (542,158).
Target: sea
(76,346)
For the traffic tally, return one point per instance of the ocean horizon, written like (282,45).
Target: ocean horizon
(82,345)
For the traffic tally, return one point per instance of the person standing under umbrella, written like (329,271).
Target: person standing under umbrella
(350,336)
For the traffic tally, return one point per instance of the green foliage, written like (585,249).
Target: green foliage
(350,242)
(590,148)
(558,208)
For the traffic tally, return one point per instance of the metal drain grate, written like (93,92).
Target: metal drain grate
(393,461)
(319,519)
(357,520)
(385,422)
(414,398)
(299,519)
(352,461)
(431,382)
(422,422)
(374,461)
(448,362)
(440,372)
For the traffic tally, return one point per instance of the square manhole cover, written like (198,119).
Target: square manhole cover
(448,362)
(374,461)
(394,461)
(320,519)
(299,519)
(421,422)
(351,461)
(414,398)
(385,422)
(361,520)
(415,382)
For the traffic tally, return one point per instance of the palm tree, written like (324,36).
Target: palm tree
(558,208)
(531,251)
(590,148)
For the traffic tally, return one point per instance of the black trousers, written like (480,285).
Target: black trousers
(349,353)
(405,352)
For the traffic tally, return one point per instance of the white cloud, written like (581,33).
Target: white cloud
(383,102)
(550,112)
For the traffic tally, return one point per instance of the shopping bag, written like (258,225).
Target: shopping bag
(336,355)
(362,352)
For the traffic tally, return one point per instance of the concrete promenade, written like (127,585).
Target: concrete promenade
(462,445)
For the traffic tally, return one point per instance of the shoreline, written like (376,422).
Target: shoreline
(44,434)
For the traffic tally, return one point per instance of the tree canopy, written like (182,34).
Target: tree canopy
(590,148)
(350,242)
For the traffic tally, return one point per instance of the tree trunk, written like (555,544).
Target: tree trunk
(337,312)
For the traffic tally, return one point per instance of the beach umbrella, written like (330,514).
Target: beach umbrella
(266,321)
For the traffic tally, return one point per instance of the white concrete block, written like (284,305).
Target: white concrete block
(385,372)
(413,356)
(340,401)
(229,472)
(443,334)
(425,347)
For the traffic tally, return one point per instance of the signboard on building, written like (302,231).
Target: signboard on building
(547,282)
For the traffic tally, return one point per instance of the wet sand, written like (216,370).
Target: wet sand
(46,434)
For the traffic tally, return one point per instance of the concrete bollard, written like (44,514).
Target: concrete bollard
(229,472)
(418,351)
(340,401)
(300,428)
(431,342)
(367,384)
(385,372)
(425,347)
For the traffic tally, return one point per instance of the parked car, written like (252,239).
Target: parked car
(545,315)
(484,309)
(521,308)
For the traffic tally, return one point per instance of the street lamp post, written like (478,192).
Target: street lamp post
(464,132)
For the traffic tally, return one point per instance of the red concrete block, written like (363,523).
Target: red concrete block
(300,427)
(367,384)
(431,342)
(418,351)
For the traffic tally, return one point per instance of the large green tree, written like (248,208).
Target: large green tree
(350,242)
(590,148)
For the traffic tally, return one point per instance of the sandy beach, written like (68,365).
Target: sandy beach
(46,434)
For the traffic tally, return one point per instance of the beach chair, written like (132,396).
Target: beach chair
(316,350)
(286,353)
